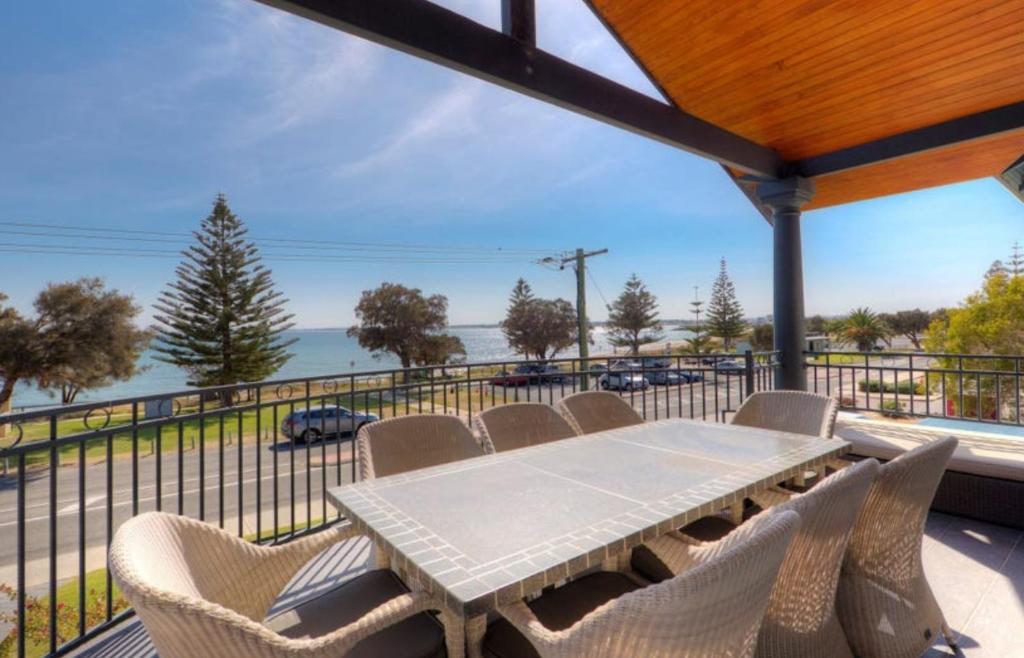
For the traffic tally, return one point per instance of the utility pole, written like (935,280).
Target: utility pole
(579,264)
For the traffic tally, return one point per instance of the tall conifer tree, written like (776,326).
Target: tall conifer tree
(633,317)
(222,320)
(725,315)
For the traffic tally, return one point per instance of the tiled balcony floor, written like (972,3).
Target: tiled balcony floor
(976,570)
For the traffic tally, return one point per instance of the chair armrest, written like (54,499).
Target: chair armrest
(677,551)
(522,618)
(341,641)
(772,496)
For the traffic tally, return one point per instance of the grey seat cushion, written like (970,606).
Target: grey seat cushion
(419,636)
(557,610)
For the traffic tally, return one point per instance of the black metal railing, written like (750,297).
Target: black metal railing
(982,388)
(229,455)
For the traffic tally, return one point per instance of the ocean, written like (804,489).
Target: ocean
(317,352)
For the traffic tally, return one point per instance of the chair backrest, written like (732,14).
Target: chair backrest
(789,411)
(596,411)
(801,615)
(886,542)
(407,443)
(522,424)
(189,582)
(714,609)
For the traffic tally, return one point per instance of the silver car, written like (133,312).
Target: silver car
(308,425)
(622,381)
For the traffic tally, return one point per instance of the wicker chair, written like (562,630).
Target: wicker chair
(712,609)
(596,411)
(789,411)
(201,591)
(884,601)
(519,425)
(407,443)
(800,621)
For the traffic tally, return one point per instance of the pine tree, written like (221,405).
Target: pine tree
(1015,266)
(725,315)
(699,341)
(997,268)
(633,317)
(222,320)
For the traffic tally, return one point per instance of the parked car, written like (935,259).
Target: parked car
(598,368)
(550,374)
(623,381)
(650,362)
(521,375)
(307,425)
(665,378)
(626,364)
(729,368)
(672,377)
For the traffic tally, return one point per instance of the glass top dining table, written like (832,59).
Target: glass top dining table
(483,532)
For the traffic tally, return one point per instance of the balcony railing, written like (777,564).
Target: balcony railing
(982,388)
(73,474)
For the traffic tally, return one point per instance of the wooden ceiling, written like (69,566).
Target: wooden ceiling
(808,77)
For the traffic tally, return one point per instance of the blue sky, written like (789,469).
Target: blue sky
(134,115)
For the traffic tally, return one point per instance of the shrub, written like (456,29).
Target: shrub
(905,387)
(892,408)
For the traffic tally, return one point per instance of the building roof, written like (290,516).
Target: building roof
(812,79)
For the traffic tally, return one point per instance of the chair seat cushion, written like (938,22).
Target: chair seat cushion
(419,636)
(557,610)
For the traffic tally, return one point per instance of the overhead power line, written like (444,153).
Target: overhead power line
(74,231)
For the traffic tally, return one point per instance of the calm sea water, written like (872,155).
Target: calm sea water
(317,352)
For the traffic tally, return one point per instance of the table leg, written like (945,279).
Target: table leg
(736,512)
(476,628)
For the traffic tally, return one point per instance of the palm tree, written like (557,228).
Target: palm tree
(862,328)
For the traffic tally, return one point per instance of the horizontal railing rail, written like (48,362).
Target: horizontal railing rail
(985,388)
(257,458)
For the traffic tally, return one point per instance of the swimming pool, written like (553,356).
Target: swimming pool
(973,426)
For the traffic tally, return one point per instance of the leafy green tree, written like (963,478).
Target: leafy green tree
(990,321)
(403,322)
(538,328)
(221,320)
(997,267)
(762,338)
(862,328)
(910,324)
(20,353)
(633,317)
(87,336)
(725,315)
(816,325)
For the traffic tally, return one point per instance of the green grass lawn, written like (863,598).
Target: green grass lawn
(843,359)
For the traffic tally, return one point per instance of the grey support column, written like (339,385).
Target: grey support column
(785,198)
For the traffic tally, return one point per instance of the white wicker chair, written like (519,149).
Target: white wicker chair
(884,601)
(407,443)
(596,411)
(800,621)
(798,412)
(201,591)
(521,424)
(713,609)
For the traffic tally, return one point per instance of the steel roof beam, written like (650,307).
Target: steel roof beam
(426,30)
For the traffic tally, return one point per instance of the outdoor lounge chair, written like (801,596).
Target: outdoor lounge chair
(407,443)
(884,601)
(712,609)
(800,620)
(201,591)
(596,411)
(522,424)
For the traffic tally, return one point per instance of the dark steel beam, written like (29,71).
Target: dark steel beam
(965,129)
(423,29)
(1013,178)
(519,20)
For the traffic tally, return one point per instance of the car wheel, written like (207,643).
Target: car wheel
(310,436)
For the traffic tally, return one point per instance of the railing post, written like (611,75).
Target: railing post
(748,363)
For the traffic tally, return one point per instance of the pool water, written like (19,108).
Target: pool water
(973,426)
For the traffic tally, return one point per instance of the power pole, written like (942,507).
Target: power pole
(579,264)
